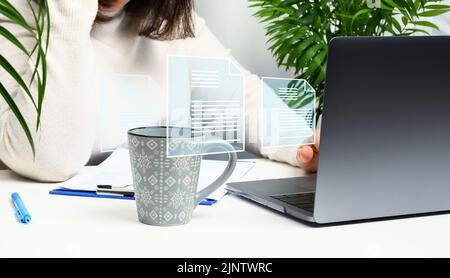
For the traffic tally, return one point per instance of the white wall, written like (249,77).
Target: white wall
(232,22)
(443,21)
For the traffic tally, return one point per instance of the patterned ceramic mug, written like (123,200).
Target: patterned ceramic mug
(166,188)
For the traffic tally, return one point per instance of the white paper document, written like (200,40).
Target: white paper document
(211,169)
(116,171)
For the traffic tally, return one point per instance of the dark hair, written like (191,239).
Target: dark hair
(159,19)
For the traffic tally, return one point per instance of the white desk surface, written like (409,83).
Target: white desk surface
(85,227)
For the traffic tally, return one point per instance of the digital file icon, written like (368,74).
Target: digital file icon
(288,112)
(126,102)
(206,99)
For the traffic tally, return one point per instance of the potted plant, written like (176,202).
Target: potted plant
(37,55)
(299,30)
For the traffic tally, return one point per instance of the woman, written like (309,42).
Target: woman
(89,38)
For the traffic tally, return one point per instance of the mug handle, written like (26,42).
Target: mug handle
(232,158)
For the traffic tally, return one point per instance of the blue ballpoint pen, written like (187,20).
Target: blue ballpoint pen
(22,212)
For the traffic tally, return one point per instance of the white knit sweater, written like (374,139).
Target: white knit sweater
(79,53)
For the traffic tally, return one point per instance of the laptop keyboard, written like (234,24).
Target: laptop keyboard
(304,201)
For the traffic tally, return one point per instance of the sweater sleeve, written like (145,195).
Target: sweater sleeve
(206,44)
(67,132)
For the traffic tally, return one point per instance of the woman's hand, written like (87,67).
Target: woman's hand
(307,156)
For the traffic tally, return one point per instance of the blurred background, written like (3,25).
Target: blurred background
(232,22)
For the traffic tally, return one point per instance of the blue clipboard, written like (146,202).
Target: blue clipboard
(93,194)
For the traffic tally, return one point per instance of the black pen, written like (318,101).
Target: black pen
(104,189)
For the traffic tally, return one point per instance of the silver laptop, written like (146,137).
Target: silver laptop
(385,138)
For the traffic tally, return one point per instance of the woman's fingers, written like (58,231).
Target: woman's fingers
(306,154)
(307,158)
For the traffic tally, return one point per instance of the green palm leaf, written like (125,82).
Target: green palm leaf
(10,37)
(14,74)
(41,33)
(12,105)
(8,10)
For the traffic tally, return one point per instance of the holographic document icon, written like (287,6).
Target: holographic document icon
(288,112)
(205,98)
(126,102)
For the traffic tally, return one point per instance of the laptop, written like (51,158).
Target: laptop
(385,136)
